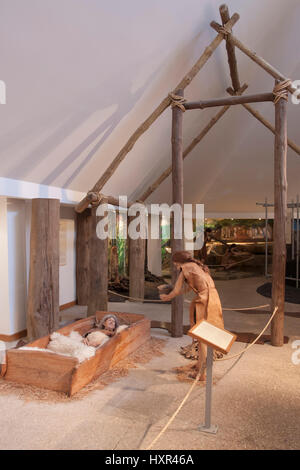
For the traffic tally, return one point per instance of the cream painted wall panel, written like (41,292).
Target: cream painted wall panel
(5,327)
(16,230)
(67,272)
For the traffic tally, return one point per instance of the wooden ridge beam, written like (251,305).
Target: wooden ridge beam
(158,111)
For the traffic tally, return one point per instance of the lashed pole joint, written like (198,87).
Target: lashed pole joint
(253,56)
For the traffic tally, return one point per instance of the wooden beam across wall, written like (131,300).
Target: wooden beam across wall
(165,103)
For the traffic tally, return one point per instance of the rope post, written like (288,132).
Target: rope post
(207,427)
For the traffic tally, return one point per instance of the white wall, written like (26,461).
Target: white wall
(15,219)
(4,292)
(67,273)
(154,250)
(16,231)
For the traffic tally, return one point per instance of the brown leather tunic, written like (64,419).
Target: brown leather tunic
(207,301)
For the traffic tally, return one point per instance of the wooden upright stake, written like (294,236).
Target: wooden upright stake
(84,220)
(279,244)
(136,266)
(43,289)
(98,268)
(177,197)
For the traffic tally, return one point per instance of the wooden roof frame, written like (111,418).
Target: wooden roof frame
(224,31)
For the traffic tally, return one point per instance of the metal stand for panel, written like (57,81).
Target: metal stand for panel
(207,427)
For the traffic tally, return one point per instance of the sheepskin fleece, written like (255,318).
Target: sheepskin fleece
(97,338)
(71,345)
(121,328)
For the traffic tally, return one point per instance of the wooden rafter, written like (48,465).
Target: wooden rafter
(156,113)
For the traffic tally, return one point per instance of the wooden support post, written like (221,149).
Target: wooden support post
(234,100)
(83,234)
(157,112)
(177,197)
(136,267)
(98,267)
(280,208)
(43,289)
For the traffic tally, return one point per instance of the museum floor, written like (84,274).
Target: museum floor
(256,401)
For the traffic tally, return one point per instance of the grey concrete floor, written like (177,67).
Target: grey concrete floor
(256,398)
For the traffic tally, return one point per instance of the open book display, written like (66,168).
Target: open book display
(217,338)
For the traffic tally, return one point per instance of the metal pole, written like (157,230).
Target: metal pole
(293,233)
(297,248)
(208,427)
(266,237)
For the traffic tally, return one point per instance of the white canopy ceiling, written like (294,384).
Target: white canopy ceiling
(82,75)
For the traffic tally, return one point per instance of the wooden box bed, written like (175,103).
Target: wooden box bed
(66,374)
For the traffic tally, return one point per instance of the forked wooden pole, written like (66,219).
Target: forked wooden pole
(158,111)
(253,56)
(224,12)
(279,243)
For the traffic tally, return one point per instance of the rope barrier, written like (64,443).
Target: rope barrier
(198,375)
(229,264)
(134,298)
(186,301)
(226,358)
(178,409)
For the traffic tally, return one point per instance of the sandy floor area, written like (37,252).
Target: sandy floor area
(256,398)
